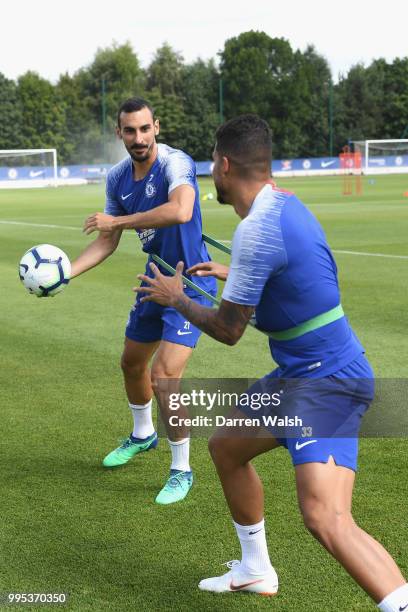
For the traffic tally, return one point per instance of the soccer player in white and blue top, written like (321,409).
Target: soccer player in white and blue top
(154,192)
(283,272)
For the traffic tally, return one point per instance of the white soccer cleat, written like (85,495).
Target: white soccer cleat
(235,580)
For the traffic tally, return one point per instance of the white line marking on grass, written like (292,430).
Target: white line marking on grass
(361,253)
(69,227)
(371,254)
(346,206)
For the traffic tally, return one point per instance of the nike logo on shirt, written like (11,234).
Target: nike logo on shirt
(125,197)
(183,333)
(299,446)
(402,608)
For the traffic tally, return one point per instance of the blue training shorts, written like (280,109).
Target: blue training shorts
(150,322)
(317,418)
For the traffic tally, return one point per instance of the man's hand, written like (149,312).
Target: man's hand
(99,222)
(226,323)
(209,268)
(164,290)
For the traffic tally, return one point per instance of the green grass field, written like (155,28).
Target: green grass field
(70,526)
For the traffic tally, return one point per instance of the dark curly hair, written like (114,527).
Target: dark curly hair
(246,141)
(132,105)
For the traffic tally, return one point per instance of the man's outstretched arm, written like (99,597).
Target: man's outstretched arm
(179,209)
(225,324)
(98,250)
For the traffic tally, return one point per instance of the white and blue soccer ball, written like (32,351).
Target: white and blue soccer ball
(45,270)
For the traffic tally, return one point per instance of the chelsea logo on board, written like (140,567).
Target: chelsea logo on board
(150,188)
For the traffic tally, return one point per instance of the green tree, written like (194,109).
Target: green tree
(395,99)
(165,71)
(253,66)
(114,75)
(310,102)
(163,90)
(42,114)
(200,94)
(359,99)
(170,112)
(10,115)
(82,130)
(259,76)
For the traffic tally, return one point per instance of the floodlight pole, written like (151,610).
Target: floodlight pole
(331,118)
(221,99)
(104,117)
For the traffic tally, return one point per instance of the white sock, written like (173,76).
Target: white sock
(180,454)
(395,601)
(255,558)
(142,420)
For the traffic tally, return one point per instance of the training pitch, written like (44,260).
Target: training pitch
(68,525)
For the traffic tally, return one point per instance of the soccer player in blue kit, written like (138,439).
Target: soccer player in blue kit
(282,270)
(153,191)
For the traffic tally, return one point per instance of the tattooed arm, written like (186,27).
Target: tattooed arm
(225,324)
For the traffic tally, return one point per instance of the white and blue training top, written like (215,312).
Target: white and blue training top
(181,242)
(281,264)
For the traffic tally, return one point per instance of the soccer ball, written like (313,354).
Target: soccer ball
(45,270)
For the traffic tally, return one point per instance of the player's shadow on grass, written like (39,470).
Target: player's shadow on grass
(76,469)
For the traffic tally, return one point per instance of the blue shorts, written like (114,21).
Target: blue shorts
(317,418)
(150,322)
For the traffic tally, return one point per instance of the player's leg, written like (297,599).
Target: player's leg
(232,450)
(325,493)
(167,369)
(142,337)
(136,372)
(179,337)
(137,378)
(325,474)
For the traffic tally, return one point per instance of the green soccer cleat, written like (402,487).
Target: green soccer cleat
(128,449)
(176,488)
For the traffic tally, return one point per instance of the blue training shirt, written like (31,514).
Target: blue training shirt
(281,264)
(181,242)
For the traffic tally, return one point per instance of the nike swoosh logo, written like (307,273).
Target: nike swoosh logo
(126,196)
(403,608)
(325,164)
(234,587)
(253,532)
(299,446)
(34,174)
(181,333)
